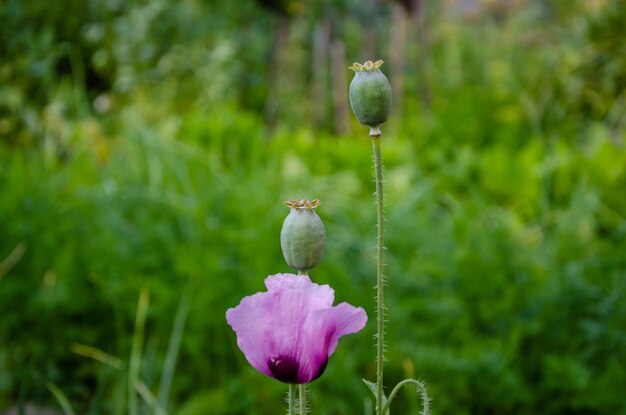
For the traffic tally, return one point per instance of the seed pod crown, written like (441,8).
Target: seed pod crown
(370,93)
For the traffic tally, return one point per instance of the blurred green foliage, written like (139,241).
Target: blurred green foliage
(135,155)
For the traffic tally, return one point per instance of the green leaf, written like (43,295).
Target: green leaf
(374,389)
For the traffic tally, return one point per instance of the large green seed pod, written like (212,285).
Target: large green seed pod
(370,93)
(302,237)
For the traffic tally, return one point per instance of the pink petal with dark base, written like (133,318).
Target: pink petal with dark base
(290,331)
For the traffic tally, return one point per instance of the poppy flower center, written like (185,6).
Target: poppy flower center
(284,368)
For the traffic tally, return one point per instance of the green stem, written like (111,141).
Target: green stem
(302,388)
(302,393)
(421,388)
(380,307)
(292,399)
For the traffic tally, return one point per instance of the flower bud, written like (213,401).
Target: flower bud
(302,237)
(370,93)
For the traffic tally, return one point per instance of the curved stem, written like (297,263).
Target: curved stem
(292,399)
(380,280)
(302,393)
(421,388)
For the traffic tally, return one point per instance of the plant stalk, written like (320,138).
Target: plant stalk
(421,389)
(380,279)
(292,399)
(302,393)
(302,387)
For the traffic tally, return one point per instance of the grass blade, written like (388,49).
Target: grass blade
(60,396)
(13,258)
(136,351)
(98,355)
(174,346)
(149,398)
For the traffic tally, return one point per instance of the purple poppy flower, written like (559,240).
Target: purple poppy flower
(290,331)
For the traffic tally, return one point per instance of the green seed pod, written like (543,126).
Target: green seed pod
(302,237)
(370,94)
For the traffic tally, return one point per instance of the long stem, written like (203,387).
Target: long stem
(292,399)
(302,388)
(302,393)
(380,283)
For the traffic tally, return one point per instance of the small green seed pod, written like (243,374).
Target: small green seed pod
(370,93)
(302,237)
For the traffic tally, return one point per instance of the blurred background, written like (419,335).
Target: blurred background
(146,149)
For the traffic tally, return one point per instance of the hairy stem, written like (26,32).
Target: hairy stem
(421,389)
(292,399)
(302,393)
(302,388)
(380,307)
